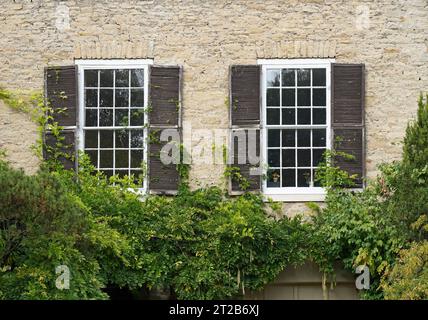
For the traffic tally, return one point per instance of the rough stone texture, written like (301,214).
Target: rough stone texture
(206,37)
(18,135)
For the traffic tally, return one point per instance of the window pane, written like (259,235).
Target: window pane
(288,116)
(319,116)
(304,77)
(121,118)
(318,77)
(91,78)
(122,78)
(137,138)
(274,138)
(304,116)
(122,173)
(288,77)
(138,177)
(288,158)
(305,107)
(303,138)
(106,78)
(288,97)
(108,173)
(106,139)
(122,139)
(304,157)
(288,138)
(137,157)
(303,97)
(319,97)
(91,117)
(106,117)
(303,177)
(122,159)
(137,117)
(137,98)
(273,116)
(314,175)
(93,157)
(272,97)
(318,138)
(91,139)
(91,98)
(272,78)
(273,158)
(106,98)
(106,159)
(273,178)
(137,78)
(289,178)
(318,155)
(122,98)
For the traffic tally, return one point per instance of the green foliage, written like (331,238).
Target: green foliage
(371,227)
(234,173)
(332,177)
(415,150)
(408,279)
(43,226)
(203,244)
(352,229)
(200,243)
(27,103)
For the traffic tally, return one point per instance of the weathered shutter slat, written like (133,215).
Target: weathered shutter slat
(163,178)
(348,117)
(245,169)
(245,95)
(62,97)
(165,95)
(165,113)
(245,115)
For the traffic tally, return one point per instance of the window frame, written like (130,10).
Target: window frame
(292,194)
(87,64)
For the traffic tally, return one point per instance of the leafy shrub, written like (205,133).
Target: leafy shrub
(408,280)
(43,226)
(371,227)
(201,244)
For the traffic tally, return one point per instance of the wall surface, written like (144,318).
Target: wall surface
(305,283)
(206,37)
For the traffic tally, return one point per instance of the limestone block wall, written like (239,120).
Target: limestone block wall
(206,37)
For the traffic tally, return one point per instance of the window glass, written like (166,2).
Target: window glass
(296,104)
(114,112)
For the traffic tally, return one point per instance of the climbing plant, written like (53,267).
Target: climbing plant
(204,244)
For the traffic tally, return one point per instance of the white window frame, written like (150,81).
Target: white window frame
(293,194)
(113,64)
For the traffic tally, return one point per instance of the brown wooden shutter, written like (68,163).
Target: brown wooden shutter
(61,96)
(245,115)
(165,113)
(348,117)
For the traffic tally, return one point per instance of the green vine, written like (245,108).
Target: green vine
(234,173)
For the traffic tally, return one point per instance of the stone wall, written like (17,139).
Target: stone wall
(207,36)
